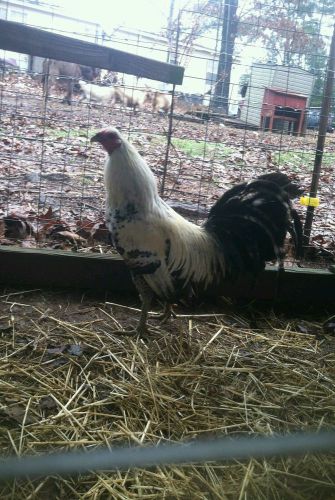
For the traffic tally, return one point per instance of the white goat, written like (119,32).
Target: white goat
(96,93)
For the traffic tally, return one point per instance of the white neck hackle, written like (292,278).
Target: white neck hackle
(128,178)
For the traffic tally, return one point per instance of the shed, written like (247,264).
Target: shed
(283,78)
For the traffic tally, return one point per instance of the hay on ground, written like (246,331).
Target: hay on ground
(67,382)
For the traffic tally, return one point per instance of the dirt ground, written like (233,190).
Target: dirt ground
(52,185)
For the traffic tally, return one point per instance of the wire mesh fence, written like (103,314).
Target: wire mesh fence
(249,104)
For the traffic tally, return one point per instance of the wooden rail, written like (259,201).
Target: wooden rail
(21,38)
(51,268)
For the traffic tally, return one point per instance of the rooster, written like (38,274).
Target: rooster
(168,256)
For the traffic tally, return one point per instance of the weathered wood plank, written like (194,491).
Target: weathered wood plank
(18,37)
(49,268)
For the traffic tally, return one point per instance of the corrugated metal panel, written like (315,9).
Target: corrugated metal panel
(251,111)
(293,80)
(261,77)
(278,77)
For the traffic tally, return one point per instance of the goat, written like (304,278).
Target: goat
(66,72)
(96,93)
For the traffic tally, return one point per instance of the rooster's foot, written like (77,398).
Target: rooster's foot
(140,331)
(128,333)
(166,314)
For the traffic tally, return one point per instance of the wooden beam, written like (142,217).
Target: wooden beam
(50,268)
(18,37)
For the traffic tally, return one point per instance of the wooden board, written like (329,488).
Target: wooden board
(49,268)
(18,37)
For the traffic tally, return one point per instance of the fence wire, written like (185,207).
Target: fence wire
(49,169)
(196,451)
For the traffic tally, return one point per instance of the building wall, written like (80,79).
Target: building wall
(50,20)
(141,44)
(199,64)
(293,80)
(284,78)
(261,77)
(200,68)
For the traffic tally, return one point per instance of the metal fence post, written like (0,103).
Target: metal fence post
(326,101)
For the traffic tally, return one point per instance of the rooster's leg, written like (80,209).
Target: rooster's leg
(167,313)
(146,295)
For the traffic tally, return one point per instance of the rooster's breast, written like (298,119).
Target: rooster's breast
(140,241)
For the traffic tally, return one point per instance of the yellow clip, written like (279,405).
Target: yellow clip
(309,202)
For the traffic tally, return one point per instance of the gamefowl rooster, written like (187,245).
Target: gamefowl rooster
(170,257)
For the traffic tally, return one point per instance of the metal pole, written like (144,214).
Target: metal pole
(169,133)
(326,101)
(229,31)
(169,30)
(243,448)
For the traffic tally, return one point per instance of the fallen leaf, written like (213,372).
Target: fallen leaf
(99,232)
(57,350)
(302,328)
(84,228)
(329,326)
(6,328)
(17,413)
(68,235)
(28,243)
(2,228)
(75,350)
(49,214)
(71,349)
(17,228)
(47,403)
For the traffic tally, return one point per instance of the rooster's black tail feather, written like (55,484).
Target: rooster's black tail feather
(250,223)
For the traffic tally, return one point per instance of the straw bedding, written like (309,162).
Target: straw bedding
(67,381)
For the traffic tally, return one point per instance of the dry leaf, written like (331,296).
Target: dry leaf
(68,235)
(17,413)
(17,227)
